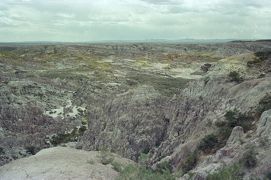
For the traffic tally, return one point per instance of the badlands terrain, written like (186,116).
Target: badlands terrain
(135,111)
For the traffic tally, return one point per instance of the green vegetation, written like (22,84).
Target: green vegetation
(212,142)
(234,172)
(134,172)
(227,173)
(142,159)
(190,162)
(263,55)
(265,103)
(235,118)
(62,74)
(31,149)
(91,162)
(99,65)
(166,85)
(268,176)
(259,58)
(67,136)
(142,63)
(249,159)
(141,171)
(235,77)
(106,157)
(2,151)
(70,136)
(208,143)
(164,167)
(117,166)
(8,54)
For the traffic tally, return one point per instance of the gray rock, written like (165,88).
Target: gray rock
(264,125)
(236,136)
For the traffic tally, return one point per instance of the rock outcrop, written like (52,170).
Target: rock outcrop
(61,163)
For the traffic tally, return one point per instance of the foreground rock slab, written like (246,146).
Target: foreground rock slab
(60,163)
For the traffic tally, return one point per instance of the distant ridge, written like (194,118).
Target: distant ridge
(183,41)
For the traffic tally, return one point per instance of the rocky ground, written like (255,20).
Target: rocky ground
(199,111)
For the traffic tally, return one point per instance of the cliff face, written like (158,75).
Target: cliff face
(197,108)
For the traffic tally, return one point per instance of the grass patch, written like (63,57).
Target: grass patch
(227,173)
(135,172)
(99,65)
(164,166)
(143,158)
(142,63)
(165,85)
(117,166)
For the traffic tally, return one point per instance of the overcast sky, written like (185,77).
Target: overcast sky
(95,20)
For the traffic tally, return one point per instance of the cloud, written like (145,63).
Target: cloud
(82,20)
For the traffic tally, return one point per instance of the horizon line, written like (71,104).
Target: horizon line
(131,41)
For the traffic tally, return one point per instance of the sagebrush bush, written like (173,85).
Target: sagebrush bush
(31,149)
(106,157)
(208,143)
(235,77)
(249,159)
(264,104)
(190,162)
(235,118)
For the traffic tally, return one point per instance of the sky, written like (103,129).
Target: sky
(102,20)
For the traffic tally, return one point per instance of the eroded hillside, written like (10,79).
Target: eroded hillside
(192,109)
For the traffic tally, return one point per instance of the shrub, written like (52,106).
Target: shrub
(227,173)
(263,55)
(235,77)
(190,162)
(235,118)
(224,133)
(91,162)
(2,151)
(164,167)
(143,157)
(31,149)
(117,166)
(106,157)
(268,175)
(249,159)
(208,143)
(264,104)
